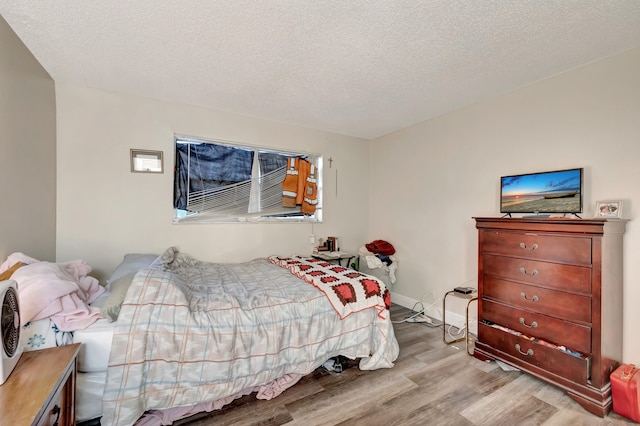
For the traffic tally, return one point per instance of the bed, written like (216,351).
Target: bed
(191,336)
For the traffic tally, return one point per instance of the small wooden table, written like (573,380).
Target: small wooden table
(41,389)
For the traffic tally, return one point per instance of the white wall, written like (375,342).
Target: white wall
(28,160)
(441,173)
(105,211)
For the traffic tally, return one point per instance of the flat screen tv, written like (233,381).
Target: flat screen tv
(543,193)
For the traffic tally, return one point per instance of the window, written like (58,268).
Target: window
(218,181)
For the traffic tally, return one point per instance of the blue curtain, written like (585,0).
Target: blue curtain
(212,166)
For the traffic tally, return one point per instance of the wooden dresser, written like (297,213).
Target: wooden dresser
(550,301)
(41,389)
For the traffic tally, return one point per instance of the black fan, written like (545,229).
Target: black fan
(10,322)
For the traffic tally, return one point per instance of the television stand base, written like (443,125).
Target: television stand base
(542,216)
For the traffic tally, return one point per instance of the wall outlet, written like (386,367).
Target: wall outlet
(312,238)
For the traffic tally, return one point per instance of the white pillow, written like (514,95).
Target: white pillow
(120,281)
(132,262)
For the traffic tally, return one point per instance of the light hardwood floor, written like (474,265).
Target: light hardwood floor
(430,384)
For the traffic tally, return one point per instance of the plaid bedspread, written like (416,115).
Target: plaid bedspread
(192,331)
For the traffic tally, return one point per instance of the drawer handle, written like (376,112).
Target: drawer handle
(56,410)
(533,324)
(533,299)
(524,271)
(524,246)
(528,353)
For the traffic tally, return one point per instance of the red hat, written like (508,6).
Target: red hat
(380,247)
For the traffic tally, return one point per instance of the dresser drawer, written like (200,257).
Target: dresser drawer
(573,250)
(546,274)
(573,336)
(547,358)
(566,306)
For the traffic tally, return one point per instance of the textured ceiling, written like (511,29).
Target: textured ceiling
(356,67)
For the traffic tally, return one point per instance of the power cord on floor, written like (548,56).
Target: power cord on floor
(458,334)
(414,314)
(419,316)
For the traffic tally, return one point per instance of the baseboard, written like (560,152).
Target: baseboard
(456,319)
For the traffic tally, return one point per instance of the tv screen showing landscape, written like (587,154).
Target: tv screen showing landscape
(557,191)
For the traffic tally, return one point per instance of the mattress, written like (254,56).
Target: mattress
(96,343)
(89,390)
(92,363)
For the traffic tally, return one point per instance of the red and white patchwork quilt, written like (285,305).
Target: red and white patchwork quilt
(348,290)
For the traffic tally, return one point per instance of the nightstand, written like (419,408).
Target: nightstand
(41,389)
(335,256)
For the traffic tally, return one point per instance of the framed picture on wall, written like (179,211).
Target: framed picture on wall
(609,209)
(145,161)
